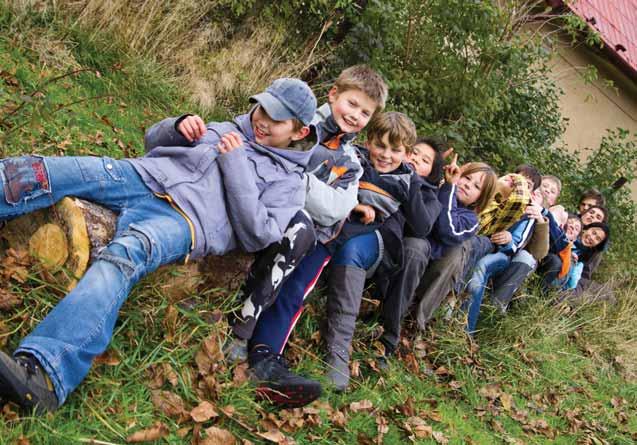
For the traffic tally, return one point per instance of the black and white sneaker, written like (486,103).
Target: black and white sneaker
(277,384)
(24,382)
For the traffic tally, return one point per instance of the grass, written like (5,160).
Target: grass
(540,375)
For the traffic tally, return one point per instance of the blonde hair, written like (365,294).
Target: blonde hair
(555,180)
(365,79)
(488,184)
(399,128)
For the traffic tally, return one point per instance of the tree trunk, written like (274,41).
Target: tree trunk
(65,238)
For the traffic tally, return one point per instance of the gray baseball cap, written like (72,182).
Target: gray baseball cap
(288,98)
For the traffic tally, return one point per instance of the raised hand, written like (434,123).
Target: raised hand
(192,128)
(452,171)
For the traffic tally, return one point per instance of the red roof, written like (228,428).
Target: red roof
(616,22)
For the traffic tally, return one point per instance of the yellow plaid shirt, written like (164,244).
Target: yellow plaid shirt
(501,213)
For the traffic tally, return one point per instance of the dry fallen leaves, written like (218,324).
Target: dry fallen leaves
(209,355)
(108,358)
(205,411)
(218,436)
(9,300)
(156,432)
(169,403)
(418,428)
(363,405)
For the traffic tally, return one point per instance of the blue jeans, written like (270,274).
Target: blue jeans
(487,267)
(149,233)
(361,251)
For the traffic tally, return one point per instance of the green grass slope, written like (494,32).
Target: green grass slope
(543,374)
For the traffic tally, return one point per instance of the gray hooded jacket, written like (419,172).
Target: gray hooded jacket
(244,198)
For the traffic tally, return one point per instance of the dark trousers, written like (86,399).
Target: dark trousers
(277,322)
(398,290)
(270,270)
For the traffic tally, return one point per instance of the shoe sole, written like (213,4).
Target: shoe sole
(12,391)
(293,396)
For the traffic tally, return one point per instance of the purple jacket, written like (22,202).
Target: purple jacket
(244,198)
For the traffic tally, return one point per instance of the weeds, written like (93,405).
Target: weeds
(542,374)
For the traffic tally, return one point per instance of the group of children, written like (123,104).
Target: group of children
(287,182)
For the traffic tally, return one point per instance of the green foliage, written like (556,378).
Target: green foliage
(457,69)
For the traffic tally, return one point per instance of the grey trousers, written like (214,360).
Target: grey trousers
(450,272)
(398,292)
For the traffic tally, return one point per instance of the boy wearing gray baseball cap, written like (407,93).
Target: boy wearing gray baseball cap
(201,189)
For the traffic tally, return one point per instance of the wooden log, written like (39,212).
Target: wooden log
(65,238)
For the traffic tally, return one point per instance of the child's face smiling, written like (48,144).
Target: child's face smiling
(421,159)
(593,237)
(573,228)
(351,109)
(384,156)
(271,133)
(549,191)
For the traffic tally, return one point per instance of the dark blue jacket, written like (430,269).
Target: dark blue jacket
(455,224)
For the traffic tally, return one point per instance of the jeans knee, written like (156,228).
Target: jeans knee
(128,252)
(24,178)
(526,258)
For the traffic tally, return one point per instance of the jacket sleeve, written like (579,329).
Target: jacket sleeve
(557,237)
(521,233)
(258,219)
(330,203)
(422,209)
(538,245)
(164,134)
(454,225)
(587,272)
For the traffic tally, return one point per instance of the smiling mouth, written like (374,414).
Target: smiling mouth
(259,132)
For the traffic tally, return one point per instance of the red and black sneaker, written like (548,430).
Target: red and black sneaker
(277,384)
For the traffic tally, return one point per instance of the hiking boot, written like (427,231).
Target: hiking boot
(338,365)
(235,350)
(23,381)
(346,285)
(279,385)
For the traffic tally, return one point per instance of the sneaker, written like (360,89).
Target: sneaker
(235,350)
(279,385)
(23,381)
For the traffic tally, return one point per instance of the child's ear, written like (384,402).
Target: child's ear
(332,94)
(301,134)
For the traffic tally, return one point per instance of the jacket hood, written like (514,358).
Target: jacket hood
(300,151)
(327,126)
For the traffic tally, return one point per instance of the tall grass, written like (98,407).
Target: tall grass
(217,62)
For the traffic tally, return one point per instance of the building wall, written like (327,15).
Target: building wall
(593,108)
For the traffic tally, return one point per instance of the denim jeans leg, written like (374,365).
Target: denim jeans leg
(361,251)
(29,183)
(80,327)
(507,282)
(484,270)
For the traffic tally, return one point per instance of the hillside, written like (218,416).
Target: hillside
(543,374)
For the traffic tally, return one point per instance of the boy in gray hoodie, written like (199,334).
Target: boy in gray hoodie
(200,189)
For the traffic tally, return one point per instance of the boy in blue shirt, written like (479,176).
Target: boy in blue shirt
(201,189)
